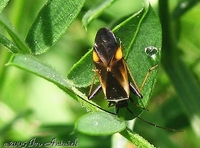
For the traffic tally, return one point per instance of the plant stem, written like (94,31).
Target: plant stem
(181,77)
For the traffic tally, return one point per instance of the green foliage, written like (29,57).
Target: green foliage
(14,35)
(96,121)
(3,4)
(95,12)
(51,22)
(31,108)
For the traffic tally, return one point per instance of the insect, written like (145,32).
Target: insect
(112,71)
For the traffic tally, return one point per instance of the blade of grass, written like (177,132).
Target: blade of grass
(182,79)
(14,35)
(7,43)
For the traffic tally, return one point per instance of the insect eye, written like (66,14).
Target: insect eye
(95,57)
(118,54)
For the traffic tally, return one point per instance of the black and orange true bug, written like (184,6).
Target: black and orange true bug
(112,71)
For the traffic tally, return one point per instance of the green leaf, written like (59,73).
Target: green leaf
(31,64)
(81,73)
(96,11)
(52,21)
(7,43)
(136,139)
(100,123)
(3,4)
(141,45)
(35,66)
(14,35)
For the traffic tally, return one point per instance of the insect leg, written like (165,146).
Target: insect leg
(95,92)
(134,85)
(147,75)
(134,90)
(91,86)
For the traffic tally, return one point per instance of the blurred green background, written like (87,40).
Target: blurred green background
(31,107)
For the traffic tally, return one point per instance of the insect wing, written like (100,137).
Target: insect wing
(110,66)
(105,46)
(117,83)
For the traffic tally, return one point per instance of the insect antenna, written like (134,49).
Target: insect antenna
(99,107)
(158,126)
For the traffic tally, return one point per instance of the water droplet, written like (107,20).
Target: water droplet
(25,59)
(183,5)
(96,123)
(151,51)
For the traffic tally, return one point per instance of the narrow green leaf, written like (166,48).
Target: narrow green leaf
(7,43)
(96,11)
(100,123)
(141,45)
(3,4)
(35,66)
(51,22)
(14,35)
(31,64)
(136,139)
